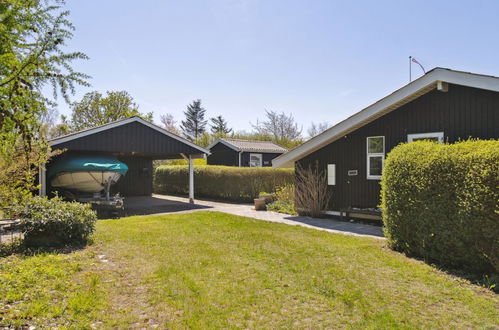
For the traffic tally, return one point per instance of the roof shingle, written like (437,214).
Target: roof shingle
(253,145)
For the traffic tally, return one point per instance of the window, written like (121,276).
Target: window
(255,160)
(435,136)
(331,174)
(375,156)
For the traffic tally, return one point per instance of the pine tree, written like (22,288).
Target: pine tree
(194,124)
(220,126)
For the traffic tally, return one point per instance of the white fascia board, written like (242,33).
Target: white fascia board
(398,98)
(222,141)
(91,131)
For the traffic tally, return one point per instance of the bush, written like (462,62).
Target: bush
(312,191)
(53,222)
(440,203)
(285,202)
(241,184)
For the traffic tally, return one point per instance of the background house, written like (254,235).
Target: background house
(443,105)
(246,153)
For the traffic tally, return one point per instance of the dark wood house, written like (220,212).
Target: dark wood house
(136,143)
(243,153)
(443,105)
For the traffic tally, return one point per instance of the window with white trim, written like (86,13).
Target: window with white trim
(375,156)
(331,174)
(255,160)
(434,136)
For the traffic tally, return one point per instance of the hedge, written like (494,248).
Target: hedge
(241,184)
(440,202)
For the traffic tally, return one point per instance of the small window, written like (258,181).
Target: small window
(331,174)
(435,136)
(255,160)
(375,157)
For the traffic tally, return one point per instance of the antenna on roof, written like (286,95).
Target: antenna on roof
(412,59)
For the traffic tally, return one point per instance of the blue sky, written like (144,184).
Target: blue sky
(321,60)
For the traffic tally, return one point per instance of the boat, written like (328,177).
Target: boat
(87,178)
(89,174)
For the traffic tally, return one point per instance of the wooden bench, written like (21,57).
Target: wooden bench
(360,214)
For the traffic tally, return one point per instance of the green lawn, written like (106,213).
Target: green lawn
(214,270)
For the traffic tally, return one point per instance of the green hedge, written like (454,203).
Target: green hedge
(440,203)
(241,184)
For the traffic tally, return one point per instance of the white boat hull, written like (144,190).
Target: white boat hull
(90,182)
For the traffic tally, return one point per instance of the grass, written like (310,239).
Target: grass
(214,270)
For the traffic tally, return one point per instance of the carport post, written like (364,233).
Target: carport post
(42,181)
(191,180)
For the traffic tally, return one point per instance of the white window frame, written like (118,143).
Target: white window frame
(260,156)
(374,154)
(438,135)
(331,174)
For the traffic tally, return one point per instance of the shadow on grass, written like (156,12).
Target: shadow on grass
(488,280)
(18,247)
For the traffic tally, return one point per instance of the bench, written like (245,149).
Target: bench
(359,214)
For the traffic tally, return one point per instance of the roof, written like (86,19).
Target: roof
(121,122)
(409,92)
(250,145)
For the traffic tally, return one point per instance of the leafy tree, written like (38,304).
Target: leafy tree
(194,124)
(32,36)
(95,109)
(169,123)
(244,135)
(281,127)
(205,139)
(219,126)
(316,129)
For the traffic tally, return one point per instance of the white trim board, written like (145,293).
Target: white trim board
(118,123)
(222,141)
(387,104)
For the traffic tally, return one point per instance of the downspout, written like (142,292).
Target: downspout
(240,152)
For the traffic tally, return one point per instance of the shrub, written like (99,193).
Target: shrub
(312,193)
(241,184)
(53,222)
(285,202)
(440,203)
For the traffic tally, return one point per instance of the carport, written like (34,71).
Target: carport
(135,142)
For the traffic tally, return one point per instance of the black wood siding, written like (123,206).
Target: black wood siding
(138,180)
(134,138)
(266,159)
(223,155)
(460,113)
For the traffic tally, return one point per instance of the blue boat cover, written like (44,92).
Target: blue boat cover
(87,163)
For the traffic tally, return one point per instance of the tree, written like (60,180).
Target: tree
(169,123)
(95,109)
(194,124)
(219,126)
(244,135)
(280,126)
(48,121)
(32,36)
(316,129)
